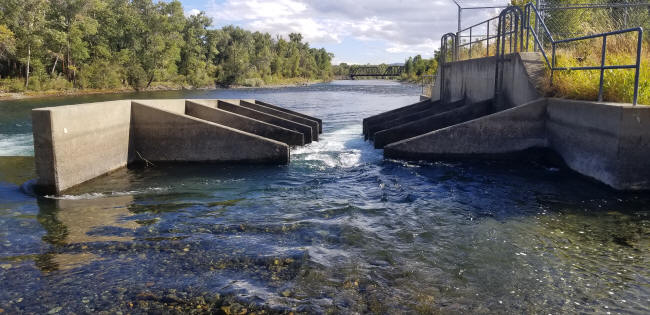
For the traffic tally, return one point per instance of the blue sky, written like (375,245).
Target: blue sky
(356,31)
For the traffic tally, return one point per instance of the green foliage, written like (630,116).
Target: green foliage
(108,44)
(416,67)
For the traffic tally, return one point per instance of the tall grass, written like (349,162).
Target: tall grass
(618,85)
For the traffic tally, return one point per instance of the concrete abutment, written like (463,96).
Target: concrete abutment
(605,141)
(76,143)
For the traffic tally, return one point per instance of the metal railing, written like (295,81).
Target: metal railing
(447,40)
(473,33)
(510,29)
(552,64)
(514,30)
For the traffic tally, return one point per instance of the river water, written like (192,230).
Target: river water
(339,230)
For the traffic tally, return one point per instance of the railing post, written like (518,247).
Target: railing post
(639,47)
(602,68)
(488,39)
(470,43)
(527,24)
(552,63)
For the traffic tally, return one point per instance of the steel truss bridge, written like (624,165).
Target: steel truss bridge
(376,71)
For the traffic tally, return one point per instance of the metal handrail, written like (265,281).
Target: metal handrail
(470,29)
(515,14)
(552,63)
(444,42)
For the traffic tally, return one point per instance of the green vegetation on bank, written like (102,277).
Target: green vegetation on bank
(621,50)
(116,44)
(414,68)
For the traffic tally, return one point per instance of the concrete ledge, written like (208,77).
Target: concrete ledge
(261,108)
(75,143)
(395,113)
(285,123)
(608,142)
(243,123)
(432,123)
(409,117)
(320,122)
(512,130)
(162,135)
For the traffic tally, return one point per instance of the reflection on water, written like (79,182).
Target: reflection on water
(339,230)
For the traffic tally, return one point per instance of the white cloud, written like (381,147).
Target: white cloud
(404,26)
(192,12)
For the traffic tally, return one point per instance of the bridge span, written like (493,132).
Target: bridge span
(376,71)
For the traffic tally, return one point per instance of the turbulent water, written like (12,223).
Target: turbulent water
(339,230)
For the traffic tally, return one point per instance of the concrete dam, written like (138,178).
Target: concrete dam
(76,143)
(470,115)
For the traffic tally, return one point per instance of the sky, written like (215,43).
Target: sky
(355,31)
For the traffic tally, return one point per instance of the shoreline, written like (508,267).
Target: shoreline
(11,96)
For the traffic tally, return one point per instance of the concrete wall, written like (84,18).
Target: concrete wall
(285,123)
(265,109)
(320,122)
(395,113)
(512,130)
(162,135)
(473,81)
(243,123)
(407,117)
(605,141)
(75,143)
(432,123)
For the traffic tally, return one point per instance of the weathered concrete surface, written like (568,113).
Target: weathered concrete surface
(162,135)
(264,109)
(278,121)
(409,117)
(474,80)
(243,123)
(320,122)
(75,143)
(512,130)
(605,141)
(432,123)
(395,113)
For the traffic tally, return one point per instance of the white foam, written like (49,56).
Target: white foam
(89,196)
(21,144)
(342,148)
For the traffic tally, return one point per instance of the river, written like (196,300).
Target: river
(338,230)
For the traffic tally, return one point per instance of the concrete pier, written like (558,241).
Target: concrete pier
(288,116)
(268,118)
(76,143)
(243,123)
(605,141)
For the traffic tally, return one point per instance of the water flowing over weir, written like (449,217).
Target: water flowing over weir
(338,230)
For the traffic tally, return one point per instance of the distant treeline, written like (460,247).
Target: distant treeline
(415,68)
(104,44)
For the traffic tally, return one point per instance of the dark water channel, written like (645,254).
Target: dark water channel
(339,230)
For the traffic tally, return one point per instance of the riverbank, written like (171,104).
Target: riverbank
(4,96)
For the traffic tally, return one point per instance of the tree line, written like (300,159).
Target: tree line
(104,44)
(414,68)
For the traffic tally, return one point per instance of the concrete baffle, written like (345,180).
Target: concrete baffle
(473,118)
(76,143)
